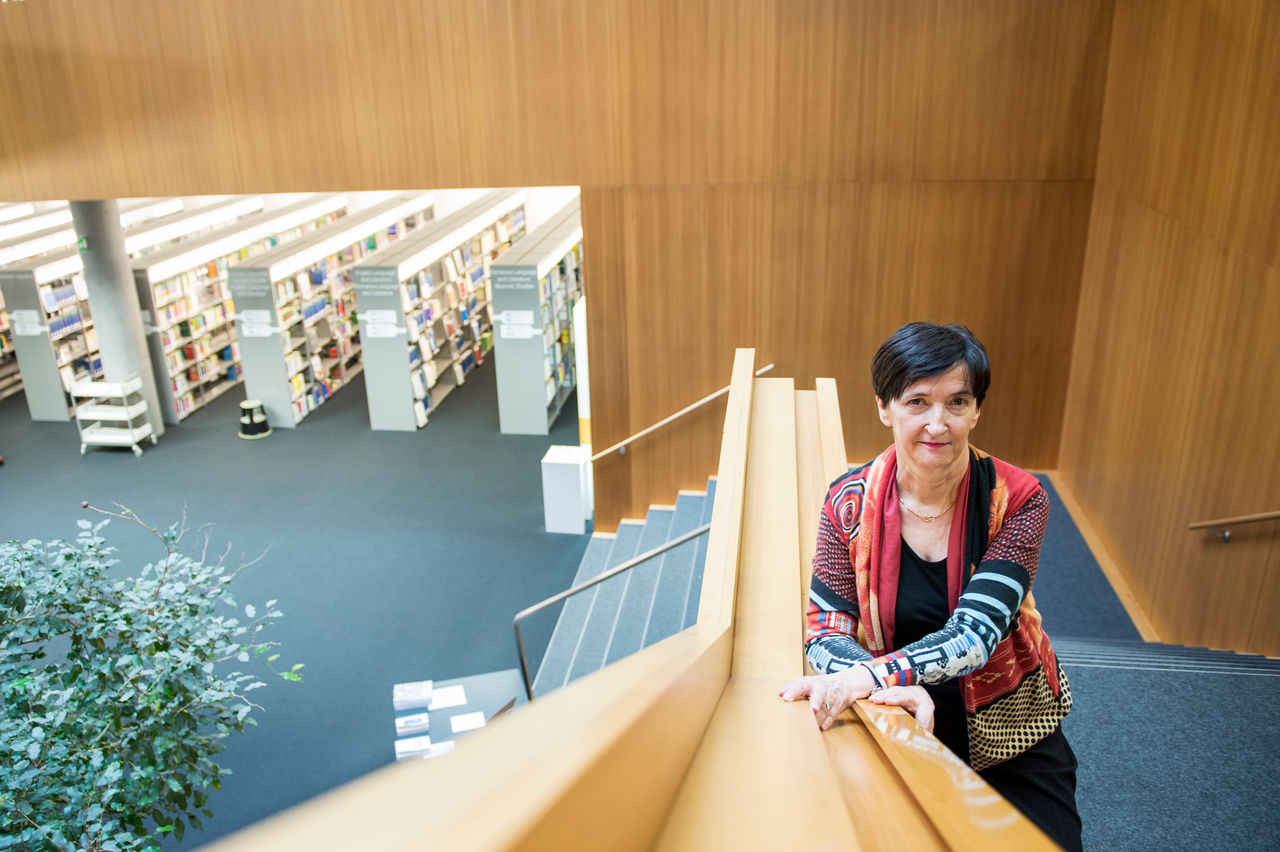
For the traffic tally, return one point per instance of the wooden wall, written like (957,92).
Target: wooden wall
(797,175)
(814,276)
(1172,399)
(143,96)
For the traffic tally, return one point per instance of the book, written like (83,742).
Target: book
(412,747)
(416,723)
(410,696)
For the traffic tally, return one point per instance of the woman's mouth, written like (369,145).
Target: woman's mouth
(933,445)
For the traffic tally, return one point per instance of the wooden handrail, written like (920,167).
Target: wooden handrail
(1236,521)
(621,445)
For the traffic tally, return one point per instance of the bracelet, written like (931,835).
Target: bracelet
(874,677)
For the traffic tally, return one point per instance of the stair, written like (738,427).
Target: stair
(638,607)
(1136,655)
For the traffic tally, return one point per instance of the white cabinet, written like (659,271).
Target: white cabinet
(112,414)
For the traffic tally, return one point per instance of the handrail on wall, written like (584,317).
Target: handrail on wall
(1224,524)
(621,446)
(582,587)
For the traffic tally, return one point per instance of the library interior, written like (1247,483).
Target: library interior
(504,353)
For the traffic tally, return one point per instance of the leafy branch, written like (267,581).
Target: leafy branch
(109,742)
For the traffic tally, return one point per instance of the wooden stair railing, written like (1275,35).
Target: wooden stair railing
(686,744)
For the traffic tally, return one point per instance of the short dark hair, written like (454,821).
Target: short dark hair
(921,350)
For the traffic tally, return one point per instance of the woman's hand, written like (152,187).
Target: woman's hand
(832,694)
(914,699)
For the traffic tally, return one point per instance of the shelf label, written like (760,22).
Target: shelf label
(513,278)
(513,331)
(384,317)
(372,329)
(256,323)
(514,317)
(26,323)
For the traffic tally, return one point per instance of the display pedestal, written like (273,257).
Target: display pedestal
(566,483)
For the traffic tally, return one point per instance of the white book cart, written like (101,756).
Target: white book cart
(112,414)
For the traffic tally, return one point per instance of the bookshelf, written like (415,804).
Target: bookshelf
(424,308)
(535,287)
(186,301)
(49,311)
(296,308)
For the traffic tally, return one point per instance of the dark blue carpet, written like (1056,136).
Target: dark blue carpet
(1072,593)
(394,556)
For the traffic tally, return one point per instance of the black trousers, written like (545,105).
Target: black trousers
(1040,782)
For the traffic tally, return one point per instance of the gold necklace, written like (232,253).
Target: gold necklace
(928,519)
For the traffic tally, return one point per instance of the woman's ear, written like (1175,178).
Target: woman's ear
(884,412)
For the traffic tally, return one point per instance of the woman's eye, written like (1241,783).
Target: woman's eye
(915,402)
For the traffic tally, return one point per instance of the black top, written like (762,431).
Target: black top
(922,609)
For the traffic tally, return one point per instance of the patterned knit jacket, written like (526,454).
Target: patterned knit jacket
(1013,689)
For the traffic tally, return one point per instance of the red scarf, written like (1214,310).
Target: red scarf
(990,492)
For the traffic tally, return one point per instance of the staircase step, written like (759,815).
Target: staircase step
(589,653)
(699,561)
(666,614)
(553,671)
(642,581)
(1154,656)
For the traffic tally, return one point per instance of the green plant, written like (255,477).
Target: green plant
(115,699)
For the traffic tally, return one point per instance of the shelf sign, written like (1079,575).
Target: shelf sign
(256,323)
(514,317)
(517,331)
(378,329)
(26,323)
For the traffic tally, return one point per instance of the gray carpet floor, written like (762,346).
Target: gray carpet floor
(394,557)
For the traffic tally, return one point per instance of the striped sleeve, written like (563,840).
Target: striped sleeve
(830,640)
(986,611)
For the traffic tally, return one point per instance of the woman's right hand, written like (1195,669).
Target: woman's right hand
(914,699)
(831,694)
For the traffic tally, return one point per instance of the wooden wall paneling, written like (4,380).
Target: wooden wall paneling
(278,95)
(1003,259)
(1254,218)
(1190,120)
(1139,330)
(1169,313)
(816,276)
(1264,637)
(1209,592)
(663,332)
(1013,90)
(603,274)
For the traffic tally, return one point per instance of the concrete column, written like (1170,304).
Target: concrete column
(113,300)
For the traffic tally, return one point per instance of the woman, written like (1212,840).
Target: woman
(932,549)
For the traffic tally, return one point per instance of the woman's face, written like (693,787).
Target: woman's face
(932,419)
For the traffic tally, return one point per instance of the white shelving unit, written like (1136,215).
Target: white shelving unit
(187,307)
(114,414)
(50,313)
(424,307)
(296,308)
(535,287)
